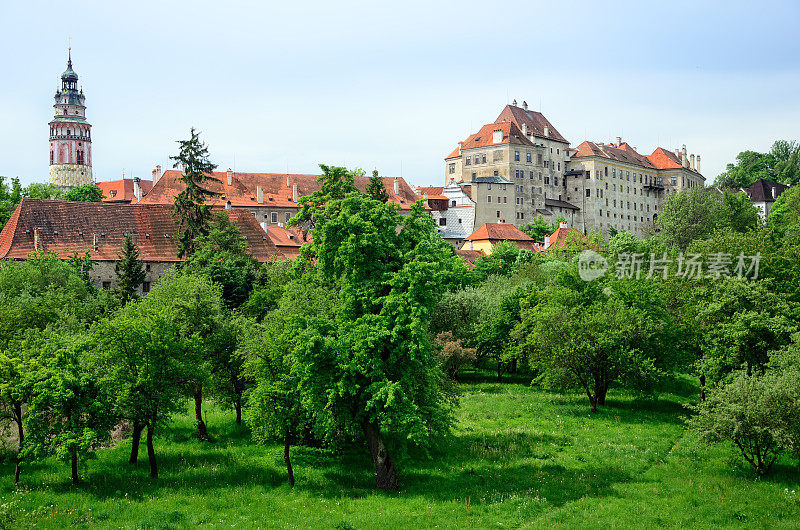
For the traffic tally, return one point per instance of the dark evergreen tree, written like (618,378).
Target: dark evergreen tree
(193,215)
(376,190)
(130,271)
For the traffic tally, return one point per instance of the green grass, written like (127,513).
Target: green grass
(519,457)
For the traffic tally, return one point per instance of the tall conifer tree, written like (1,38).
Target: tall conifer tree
(130,271)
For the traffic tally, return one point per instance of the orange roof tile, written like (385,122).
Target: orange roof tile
(498,232)
(665,159)
(276,187)
(122,189)
(622,153)
(485,137)
(65,227)
(535,121)
(455,154)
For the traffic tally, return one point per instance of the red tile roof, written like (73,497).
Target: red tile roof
(455,154)
(665,159)
(288,240)
(470,256)
(498,232)
(66,227)
(622,153)
(485,137)
(433,192)
(123,189)
(535,120)
(277,189)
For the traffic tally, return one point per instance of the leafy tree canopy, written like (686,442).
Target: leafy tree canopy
(87,193)
(780,164)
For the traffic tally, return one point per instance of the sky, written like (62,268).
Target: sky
(282,87)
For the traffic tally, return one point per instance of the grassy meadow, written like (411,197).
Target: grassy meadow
(519,457)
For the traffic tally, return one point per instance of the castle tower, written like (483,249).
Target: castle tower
(70,135)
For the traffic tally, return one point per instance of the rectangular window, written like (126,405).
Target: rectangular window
(531,175)
(442,221)
(539,159)
(588,192)
(288,216)
(145,287)
(489,186)
(498,214)
(505,199)
(106,285)
(516,156)
(483,158)
(528,157)
(451,168)
(547,180)
(488,198)
(468,160)
(496,173)
(274,217)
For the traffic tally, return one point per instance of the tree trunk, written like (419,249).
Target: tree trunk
(202,433)
(151,453)
(74,459)
(137,436)
(601,394)
(385,474)
(513,366)
(21,435)
(286,459)
(702,388)
(238,404)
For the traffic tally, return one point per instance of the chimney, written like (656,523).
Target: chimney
(36,239)
(546,242)
(230,177)
(684,161)
(294,193)
(287,181)
(525,105)
(259,195)
(396,186)
(137,188)
(94,242)
(514,102)
(692,160)
(497,136)
(619,141)
(698,163)
(547,131)
(525,129)
(157,174)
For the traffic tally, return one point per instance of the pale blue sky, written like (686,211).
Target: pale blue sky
(394,86)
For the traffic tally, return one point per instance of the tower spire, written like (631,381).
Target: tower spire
(69,53)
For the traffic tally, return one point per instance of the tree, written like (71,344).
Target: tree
(375,189)
(227,379)
(452,354)
(540,228)
(196,307)
(147,359)
(741,322)
(42,191)
(696,213)
(189,207)
(781,164)
(87,193)
(275,409)
(370,366)
(578,334)
(223,257)
(69,413)
(9,198)
(336,182)
(37,293)
(745,411)
(784,215)
(130,271)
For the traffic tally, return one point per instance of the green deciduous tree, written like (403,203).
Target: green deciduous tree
(9,198)
(87,193)
(741,322)
(696,213)
(372,367)
(189,208)
(780,164)
(69,413)
(38,190)
(223,257)
(130,271)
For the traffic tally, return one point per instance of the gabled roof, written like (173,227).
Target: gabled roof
(560,204)
(288,240)
(65,227)
(122,190)
(535,120)
(765,190)
(276,187)
(455,154)
(666,159)
(433,192)
(470,256)
(620,153)
(498,232)
(485,137)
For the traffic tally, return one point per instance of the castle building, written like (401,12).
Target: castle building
(520,167)
(70,135)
